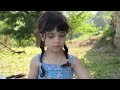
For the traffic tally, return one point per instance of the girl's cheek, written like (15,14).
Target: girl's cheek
(63,39)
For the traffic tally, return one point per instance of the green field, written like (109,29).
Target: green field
(102,62)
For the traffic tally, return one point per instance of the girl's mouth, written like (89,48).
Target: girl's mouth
(56,46)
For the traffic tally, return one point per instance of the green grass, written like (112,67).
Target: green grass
(16,63)
(101,63)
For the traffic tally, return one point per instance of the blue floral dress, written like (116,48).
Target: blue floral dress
(56,71)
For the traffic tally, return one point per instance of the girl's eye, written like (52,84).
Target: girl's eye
(50,36)
(62,35)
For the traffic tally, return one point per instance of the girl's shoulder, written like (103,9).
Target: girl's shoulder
(37,56)
(34,62)
(70,58)
(73,59)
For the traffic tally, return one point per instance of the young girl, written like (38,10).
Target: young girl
(55,62)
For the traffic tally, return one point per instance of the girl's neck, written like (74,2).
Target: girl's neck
(54,57)
(51,54)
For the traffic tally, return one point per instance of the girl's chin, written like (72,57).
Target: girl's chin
(56,49)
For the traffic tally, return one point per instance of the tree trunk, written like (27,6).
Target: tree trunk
(115,22)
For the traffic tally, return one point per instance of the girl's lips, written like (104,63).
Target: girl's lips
(56,46)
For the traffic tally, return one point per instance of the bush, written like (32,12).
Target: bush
(107,33)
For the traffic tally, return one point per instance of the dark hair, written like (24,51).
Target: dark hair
(46,23)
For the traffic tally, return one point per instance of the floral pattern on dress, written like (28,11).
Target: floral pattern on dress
(55,71)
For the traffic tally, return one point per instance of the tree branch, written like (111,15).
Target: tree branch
(18,52)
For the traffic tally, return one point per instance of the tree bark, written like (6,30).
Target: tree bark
(115,23)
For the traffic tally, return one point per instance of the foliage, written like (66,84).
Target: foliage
(99,20)
(102,19)
(21,24)
(108,16)
(109,32)
(80,26)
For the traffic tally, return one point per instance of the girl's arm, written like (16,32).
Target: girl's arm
(80,70)
(34,65)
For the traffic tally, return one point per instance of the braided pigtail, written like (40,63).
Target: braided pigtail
(66,55)
(42,49)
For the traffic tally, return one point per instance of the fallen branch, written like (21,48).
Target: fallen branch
(18,52)
(18,76)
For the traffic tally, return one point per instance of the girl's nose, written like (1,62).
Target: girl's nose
(57,39)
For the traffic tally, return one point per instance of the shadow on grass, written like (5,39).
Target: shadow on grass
(102,61)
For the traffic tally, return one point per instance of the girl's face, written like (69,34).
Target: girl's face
(55,40)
